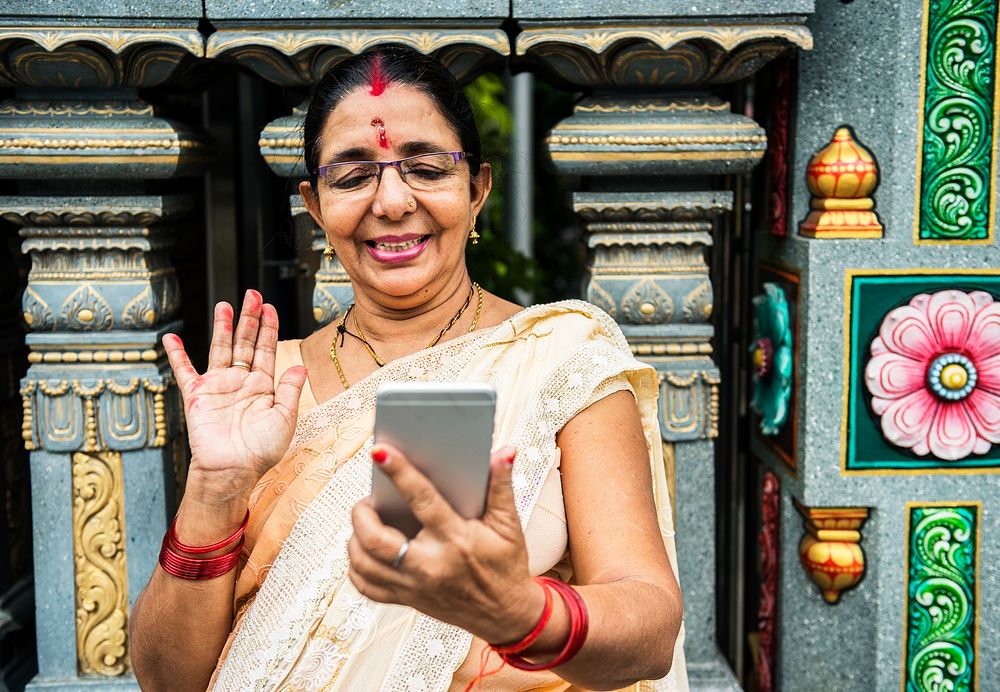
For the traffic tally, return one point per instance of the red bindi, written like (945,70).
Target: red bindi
(383,138)
(379,81)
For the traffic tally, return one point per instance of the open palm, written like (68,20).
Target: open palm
(239,424)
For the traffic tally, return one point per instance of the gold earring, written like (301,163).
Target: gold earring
(411,203)
(473,235)
(328,252)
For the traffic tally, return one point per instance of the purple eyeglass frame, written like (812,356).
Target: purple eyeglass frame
(382,165)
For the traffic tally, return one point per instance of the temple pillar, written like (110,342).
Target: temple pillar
(649,156)
(101,415)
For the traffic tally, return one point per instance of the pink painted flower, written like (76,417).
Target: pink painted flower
(934,375)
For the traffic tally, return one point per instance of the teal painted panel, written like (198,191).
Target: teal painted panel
(957,151)
(941,605)
(871,299)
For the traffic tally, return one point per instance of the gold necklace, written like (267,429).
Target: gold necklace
(371,351)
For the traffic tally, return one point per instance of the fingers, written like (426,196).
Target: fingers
(184,372)
(245,337)
(378,541)
(220,353)
(500,514)
(371,551)
(289,390)
(426,503)
(267,341)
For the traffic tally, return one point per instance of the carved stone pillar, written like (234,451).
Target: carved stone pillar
(100,414)
(647,266)
(300,58)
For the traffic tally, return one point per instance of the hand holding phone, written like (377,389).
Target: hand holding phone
(446,431)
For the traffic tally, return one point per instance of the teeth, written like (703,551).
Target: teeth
(398,247)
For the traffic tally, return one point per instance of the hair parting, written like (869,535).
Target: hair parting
(374,70)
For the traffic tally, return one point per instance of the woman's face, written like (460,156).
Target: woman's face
(392,239)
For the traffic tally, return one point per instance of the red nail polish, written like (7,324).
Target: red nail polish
(511,459)
(379,456)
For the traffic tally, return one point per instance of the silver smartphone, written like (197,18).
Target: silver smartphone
(446,430)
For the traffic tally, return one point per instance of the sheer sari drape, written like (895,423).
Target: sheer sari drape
(301,625)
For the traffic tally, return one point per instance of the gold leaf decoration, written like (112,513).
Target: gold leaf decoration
(99,558)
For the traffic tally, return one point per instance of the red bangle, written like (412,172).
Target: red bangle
(579,623)
(530,638)
(201,550)
(194,568)
(175,562)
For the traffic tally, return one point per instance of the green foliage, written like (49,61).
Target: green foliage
(493,262)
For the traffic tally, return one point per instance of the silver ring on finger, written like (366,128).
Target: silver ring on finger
(401,554)
(241,364)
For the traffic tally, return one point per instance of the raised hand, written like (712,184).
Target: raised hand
(239,424)
(472,573)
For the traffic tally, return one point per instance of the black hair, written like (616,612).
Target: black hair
(383,66)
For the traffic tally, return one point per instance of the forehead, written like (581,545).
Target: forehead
(408,114)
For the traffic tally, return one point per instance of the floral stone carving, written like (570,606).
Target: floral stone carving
(772,358)
(934,376)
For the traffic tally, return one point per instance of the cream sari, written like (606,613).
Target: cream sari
(301,625)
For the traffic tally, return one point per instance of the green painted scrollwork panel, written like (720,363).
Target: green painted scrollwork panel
(941,599)
(956,182)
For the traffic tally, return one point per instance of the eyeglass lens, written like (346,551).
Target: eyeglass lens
(424,172)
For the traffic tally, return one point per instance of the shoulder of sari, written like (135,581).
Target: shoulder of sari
(576,320)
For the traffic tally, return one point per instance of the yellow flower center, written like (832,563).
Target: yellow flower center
(758,358)
(954,377)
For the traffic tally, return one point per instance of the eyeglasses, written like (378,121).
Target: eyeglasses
(421,172)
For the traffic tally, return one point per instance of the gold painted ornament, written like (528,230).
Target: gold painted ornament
(841,178)
(829,551)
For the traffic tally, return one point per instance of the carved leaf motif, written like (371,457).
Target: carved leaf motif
(601,298)
(698,303)
(99,558)
(326,308)
(37,313)
(140,312)
(941,608)
(86,309)
(647,303)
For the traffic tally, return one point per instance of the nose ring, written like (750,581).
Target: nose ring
(411,204)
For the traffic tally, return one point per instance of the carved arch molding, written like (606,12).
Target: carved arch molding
(627,57)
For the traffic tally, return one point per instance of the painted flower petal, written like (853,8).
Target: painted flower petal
(877,346)
(906,330)
(906,422)
(984,411)
(782,365)
(952,436)
(950,314)
(984,337)
(780,322)
(763,326)
(988,374)
(890,375)
(775,408)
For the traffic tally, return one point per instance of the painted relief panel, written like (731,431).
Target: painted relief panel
(941,597)
(775,364)
(922,371)
(956,190)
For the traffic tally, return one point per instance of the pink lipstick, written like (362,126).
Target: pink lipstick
(395,249)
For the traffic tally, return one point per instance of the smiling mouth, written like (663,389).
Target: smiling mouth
(397,247)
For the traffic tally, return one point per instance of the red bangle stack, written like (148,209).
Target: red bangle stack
(579,623)
(174,562)
(533,635)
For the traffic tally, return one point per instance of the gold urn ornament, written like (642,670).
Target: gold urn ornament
(829,551)
(841,178)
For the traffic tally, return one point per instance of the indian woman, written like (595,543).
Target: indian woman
(278,574)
